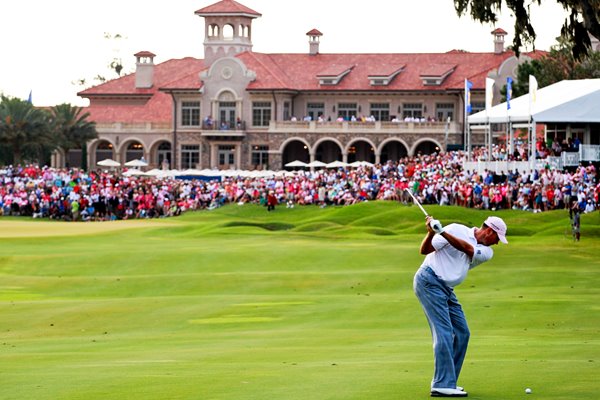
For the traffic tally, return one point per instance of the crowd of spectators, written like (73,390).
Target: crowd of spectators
(520,152)
(73,194)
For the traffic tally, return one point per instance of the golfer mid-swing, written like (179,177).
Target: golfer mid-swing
(451,252)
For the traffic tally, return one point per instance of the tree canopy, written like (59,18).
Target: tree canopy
(72,129)
(23,129)
(583,20)
(30,134)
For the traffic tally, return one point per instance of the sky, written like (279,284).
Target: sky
(47,46)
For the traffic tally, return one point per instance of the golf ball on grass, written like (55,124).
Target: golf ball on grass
(528,391)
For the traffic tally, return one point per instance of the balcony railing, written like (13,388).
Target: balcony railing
(375,127)
(216,125)
(133,126)
(239,127)
(224,128)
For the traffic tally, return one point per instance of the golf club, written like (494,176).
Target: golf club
(417,202)
(437,226)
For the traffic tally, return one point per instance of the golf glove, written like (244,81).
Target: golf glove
(436,226)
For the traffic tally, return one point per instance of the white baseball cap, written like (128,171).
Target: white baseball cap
(498,226)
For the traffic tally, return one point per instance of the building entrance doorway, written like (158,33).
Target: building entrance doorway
(226,156)
(227,115)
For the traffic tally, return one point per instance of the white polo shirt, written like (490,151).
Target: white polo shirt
(450,264)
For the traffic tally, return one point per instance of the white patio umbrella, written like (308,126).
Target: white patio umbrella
(296,163)
(136,163)
(134,172)
(172,173)
(192,172)
(337,164)
(233,173)
(108,162)
(155,172)
(316,164)
(361,164)
(210,172)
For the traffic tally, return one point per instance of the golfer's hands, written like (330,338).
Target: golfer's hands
(435,226)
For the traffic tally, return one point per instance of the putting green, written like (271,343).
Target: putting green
(15,228)
(302,303)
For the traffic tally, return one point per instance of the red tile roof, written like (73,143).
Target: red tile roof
(226,7)
(386,70)
(158,109)
(145,54)
(292,72)
(314,32)
(437,69)
(334,70)
(124,107)
(499,31)
(299,71)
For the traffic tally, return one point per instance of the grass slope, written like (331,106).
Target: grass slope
(302,303)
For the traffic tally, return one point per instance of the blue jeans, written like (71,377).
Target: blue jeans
(448,326)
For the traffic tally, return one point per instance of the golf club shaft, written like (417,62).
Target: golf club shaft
(417,202)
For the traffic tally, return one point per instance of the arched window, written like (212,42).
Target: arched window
(164,155)
(228,32)
(135,150)
(213,30)
(104,150)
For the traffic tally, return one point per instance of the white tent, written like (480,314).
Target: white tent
(566,101)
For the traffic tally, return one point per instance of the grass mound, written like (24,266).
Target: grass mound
(269,226)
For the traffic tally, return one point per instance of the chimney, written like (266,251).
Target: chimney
(144,69)
(313,41)
(499,34)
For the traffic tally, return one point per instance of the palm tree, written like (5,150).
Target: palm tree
(24,129)
(71,129)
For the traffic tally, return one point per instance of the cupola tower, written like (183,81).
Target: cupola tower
(228,29)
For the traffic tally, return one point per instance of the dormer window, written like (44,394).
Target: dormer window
(334,74)
(384,74)
(432,82)
(435,74)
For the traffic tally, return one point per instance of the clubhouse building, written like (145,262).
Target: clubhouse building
(244,110)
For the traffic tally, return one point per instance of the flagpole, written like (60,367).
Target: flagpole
(489,97)
(466,139)
(532,125)
(509,133)
(508,125)
(467,131)
(533,138)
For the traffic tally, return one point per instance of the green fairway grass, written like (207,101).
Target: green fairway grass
(303,303)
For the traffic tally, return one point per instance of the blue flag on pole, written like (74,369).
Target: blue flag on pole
(468,86)
(509,82)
